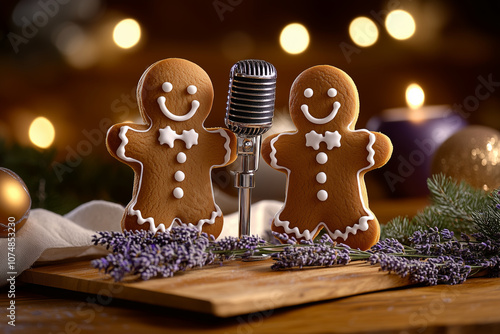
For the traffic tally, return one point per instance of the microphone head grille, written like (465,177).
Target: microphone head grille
(250,102)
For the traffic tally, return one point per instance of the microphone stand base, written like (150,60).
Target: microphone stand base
(255,257)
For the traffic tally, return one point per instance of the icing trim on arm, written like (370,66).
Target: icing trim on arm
(223,134)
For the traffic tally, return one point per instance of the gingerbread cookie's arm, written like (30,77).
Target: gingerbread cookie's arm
(224,141)
(383,149)
(119,139)
(270,153)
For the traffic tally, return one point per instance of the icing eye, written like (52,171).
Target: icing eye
(308,92)
(192,89)
(332,92)
(167,87)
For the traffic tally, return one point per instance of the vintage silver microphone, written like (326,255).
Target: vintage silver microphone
(249,114)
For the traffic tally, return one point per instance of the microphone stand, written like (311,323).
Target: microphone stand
(244,179)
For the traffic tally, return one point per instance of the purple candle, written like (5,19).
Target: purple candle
(416,132)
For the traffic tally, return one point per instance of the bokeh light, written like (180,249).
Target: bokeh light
(415,96)
(400,24)
(294,38)
(127,33)
(78,47)
(363,31)
(42,132)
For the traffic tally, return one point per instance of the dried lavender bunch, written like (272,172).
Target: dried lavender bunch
(431,271)
(148,255)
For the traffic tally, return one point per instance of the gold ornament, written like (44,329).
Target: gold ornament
(15,202)
(471,155)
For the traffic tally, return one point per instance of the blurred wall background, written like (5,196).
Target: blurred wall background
(59,60)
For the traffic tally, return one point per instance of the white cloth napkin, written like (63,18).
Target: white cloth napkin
(47,236)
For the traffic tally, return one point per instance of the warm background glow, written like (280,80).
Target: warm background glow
(65,64)
(294,38)
(42,132)
(127,33)
(415,96)
(400,24)
(363,31)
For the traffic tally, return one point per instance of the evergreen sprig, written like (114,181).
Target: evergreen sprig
(454,206)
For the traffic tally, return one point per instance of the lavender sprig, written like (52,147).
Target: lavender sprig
(149,255)
(230,247)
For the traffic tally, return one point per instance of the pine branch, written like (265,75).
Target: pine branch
(457,200)
(454,207)
(487,221)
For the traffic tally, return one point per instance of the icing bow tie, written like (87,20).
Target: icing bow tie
(332,139)
(169,136)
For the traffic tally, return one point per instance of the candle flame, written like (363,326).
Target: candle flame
(415,96)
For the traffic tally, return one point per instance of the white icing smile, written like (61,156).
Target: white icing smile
(308,92)
(324,120)
(195,104)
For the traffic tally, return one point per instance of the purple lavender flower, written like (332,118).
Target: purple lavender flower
(285,238)
(309,256)
(388,245)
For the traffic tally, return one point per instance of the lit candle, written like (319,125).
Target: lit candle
(416,132)
(42,135)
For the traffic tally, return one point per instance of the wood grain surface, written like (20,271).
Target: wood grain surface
(469,308)
(235,288)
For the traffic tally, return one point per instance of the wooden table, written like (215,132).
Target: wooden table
(473,307)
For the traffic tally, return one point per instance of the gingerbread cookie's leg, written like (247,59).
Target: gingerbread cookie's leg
(214,229)
(283,224)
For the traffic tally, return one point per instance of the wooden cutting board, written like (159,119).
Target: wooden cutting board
(232,289)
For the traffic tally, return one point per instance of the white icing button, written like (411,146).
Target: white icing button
(178,192)
(321,177)
(179,176)
(308,92)
(167,87)
(332,92)
(321,158)
(192,89)
(181,157)
(322,195)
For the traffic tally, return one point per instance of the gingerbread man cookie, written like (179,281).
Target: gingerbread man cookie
(325,161)
(172,154)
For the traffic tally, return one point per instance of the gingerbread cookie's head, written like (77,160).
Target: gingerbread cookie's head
(174,90)
(325,98)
